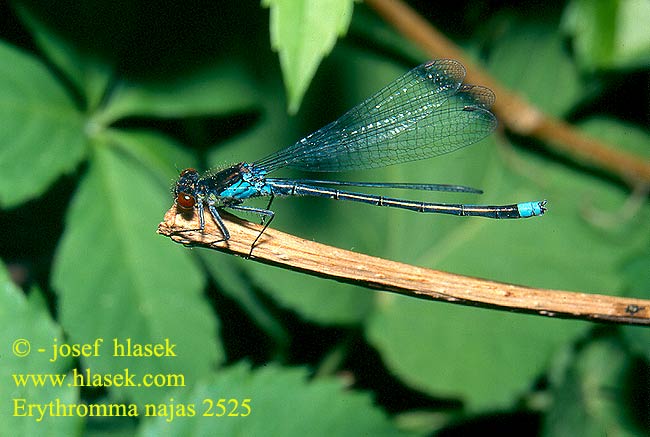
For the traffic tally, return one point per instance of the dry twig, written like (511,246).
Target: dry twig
(279,249)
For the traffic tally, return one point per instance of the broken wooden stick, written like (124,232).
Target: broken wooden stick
(290,252)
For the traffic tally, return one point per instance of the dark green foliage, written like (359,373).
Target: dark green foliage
(102,103)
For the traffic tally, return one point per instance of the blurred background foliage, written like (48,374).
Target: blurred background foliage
(102,103)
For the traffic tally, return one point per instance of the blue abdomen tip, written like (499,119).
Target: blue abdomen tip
(531,209)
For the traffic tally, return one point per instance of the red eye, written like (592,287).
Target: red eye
(185,201)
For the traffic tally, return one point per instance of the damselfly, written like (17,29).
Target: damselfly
(427,112)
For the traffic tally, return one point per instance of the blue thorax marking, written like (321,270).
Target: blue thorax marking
(250,183)
(240,190)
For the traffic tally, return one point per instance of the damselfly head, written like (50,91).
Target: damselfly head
(190,172)
(186,188)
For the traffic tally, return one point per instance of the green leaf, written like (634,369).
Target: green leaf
(89,73)
(157,153)
(226,270)
(592,394)
(634,272)
(551,68)
(303,32)
(27,318)
(484,358)
(42,133)
(608,34)
(320,300)
(216,90)
(132,283)
(369,26)
(282,402)
(423,342)
(627,136)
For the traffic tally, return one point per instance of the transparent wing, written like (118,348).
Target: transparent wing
(405,186)
(425,113)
